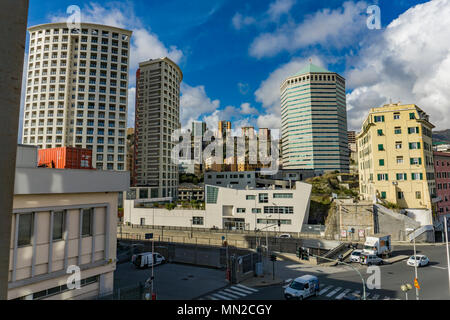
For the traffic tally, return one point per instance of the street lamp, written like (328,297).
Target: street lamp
(405,288)
(415,257)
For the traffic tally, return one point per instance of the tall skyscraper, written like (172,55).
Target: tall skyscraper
(198,128)
(157,116)
(314,121)
(77,90)
(223,127)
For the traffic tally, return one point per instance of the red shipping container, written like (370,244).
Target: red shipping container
(65,158)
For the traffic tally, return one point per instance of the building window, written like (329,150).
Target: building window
(143,193)
(250,197)
(58,225)
(397,130)
(380,132)
(417,176)
(414,145)
(197,221)
(413,130)
(400,160)
(263,198)
(380,147)
(86,228)
(382,177)
(415,160)
(211,194)
(401,176)
(25,229)
(400,195)
(412,116)
(383,194)
(379,118)
(381,162)
(398,145)
(256,210)
(282,195)
(396,116)
(240,210)
(418,195)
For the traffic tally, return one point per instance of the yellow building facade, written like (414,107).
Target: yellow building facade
(395,156)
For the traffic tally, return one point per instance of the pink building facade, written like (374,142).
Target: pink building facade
(442,176)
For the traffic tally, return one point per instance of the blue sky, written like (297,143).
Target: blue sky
(234,54)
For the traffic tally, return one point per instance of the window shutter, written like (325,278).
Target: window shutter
(410,160)
(418,145)
(420,160)
(405,176)
(421,176)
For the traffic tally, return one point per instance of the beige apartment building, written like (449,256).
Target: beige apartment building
(395,156)
(77,90)
(157,116)
(62,219)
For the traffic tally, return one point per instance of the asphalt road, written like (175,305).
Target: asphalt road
(336,281)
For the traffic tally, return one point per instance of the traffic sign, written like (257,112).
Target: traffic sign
(416,283)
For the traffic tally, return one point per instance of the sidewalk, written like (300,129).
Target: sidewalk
(262,281)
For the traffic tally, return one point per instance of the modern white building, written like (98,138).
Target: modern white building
(231,179)
(227,208)
(157,116)
(77,90)
(63,219)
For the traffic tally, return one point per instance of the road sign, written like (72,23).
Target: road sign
(149,236)
(416,283)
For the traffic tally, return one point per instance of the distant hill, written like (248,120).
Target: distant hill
(441,136)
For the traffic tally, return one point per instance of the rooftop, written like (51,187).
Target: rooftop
(311,68)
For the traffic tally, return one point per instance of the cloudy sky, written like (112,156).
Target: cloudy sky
(234,54)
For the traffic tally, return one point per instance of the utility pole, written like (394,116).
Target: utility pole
(448,256)
(13,24)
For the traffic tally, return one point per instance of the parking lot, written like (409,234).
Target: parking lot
(172,281)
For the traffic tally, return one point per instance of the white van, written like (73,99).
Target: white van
(144,260)
(302,287)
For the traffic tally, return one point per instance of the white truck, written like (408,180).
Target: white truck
(379,245)
(146,259)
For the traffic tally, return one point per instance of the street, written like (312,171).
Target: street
(339,280)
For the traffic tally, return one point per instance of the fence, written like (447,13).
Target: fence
(135,292)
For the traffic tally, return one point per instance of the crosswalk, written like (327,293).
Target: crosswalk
(235,292)
(337,293)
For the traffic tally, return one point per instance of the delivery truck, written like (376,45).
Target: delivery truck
(379,245)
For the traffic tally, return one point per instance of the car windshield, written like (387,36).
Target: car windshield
(356,253)
(368,247)
(415,258)
(297,285)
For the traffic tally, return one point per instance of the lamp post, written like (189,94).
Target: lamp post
(415,258)
(405,288)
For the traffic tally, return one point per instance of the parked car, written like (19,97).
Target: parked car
(370,259)
(302,287)
(146,259)
(355,256)
(284,236)
(419,260)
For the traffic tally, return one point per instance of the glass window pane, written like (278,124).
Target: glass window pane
(58,225)
(87,220)
(25,229)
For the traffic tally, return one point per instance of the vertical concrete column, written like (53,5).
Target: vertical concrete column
(13,23)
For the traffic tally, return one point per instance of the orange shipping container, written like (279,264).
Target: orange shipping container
(65,158)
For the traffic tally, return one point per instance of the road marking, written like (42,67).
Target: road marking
(342,294)
(235,292)
(439,267)
(226,294)
(334,292)
(325,290)
(375,296)
(246,288)
(241,290)
(221,297)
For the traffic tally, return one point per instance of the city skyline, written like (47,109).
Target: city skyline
(221,86)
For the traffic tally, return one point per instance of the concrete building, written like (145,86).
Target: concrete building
(157,116)
(314,121)
(77,90)
(242,209)
(441,147)
(190,191)
(442,175)
(61,219)
(130,154)
(395,156)
(231,179)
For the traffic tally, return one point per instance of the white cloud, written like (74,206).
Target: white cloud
(194,102)
(279,7)
(239,21)
(271,121)
(409,62)
(243,87)
(246,108)
(338,28)
(268,92)
(131,106)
